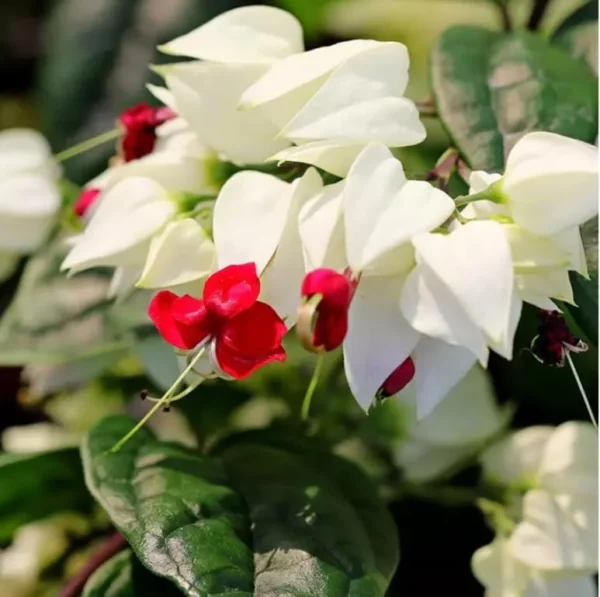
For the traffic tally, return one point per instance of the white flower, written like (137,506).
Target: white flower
(463,289)
(541,263)
(332,101)
(366,224)
(235,49)
(29,196)
(550,183)
(555,543)
(453,432)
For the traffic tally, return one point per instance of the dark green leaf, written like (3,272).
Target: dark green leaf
(578,34)
(586,312)
(124,576)
(38,485)
(262,520)
(491,87)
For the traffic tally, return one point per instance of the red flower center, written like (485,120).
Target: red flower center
(247,332)
(397,380)
(140,123)
(86,199)
(335,292)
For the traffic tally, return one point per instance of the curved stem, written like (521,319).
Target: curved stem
(165,399)
(86,145)
(312,386)
(466,199)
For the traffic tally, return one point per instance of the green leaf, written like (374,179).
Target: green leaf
(491,87)
(124,576)
(578,34)
(586,312)
(259,519)
(37,485)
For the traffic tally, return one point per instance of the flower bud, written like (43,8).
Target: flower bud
(328,295)
(84,202)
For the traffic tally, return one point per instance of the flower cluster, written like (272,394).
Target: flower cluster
(547,541)
(413,289)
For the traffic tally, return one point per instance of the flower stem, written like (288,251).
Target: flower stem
(466,199)
(164,399)
(312,386)
(86,145)
(581,390)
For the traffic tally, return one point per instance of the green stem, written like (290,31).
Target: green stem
(581,390)
(466,199)
(158,405)
(86,145)
(312,386)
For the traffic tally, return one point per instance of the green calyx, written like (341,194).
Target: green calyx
(493,193)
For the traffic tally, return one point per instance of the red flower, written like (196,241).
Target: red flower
(335,291)
(554,340)
(397,380)
(86,199)
(247,333)
(140,123)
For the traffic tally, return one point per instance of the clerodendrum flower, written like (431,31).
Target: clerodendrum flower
(232,50)
(29,195)
(333,101)
(553,548)
(365,226)
(242,332)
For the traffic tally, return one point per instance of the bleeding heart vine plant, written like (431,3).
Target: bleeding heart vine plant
(261,204)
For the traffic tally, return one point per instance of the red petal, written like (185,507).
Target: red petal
(86,199)
(239,366)
(174,332)
(398,379)
(330,328)
(189,310)
(232,290)
(254,332)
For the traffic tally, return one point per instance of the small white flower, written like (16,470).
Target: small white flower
(29,196)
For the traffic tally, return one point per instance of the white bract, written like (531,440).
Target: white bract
(366,224)
(29,195)
(453,432)
(233,50)
(554,545)
(333,101)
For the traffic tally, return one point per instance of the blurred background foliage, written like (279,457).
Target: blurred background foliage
(68,67)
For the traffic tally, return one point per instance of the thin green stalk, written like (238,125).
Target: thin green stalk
(86,145)
(159,404)
(581,390)
(312,386)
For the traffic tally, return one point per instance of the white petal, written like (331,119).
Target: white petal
(468,415)
(475,263)
(433,310)
(334,156)
(8,264)
(571,243)
(557,532)
(363,100)
(536,288)
(439,367)
(127,217)
(322,231)
(570,460)
(480,180)
(28,206)
(123,281)
(206,96)
(249,218)
(162,94)
(24,150)
(532,253)
(560,585)
(382,212)
(496,569)
(251,34)
(421,462)
(282,279)
(183,252)
(551,182)
(296,78)
(516,458)
(379,339)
